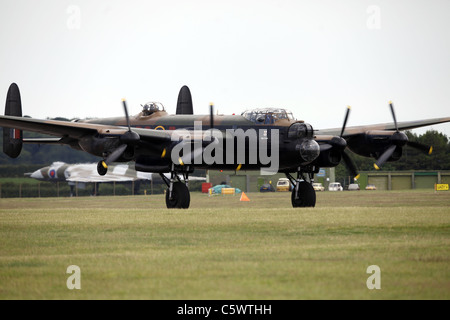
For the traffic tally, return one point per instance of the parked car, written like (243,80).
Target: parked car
(353,187)
(283,184)
(371,187)
(335,186)
(318,186)
(267,187)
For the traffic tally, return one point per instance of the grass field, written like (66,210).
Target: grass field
(134,248)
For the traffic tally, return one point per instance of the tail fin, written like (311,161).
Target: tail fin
(12,138)
(184,103)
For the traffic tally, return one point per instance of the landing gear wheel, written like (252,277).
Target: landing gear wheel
(181,197)
(101,168)
(306,195)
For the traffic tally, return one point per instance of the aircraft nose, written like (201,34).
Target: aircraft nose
(37,175)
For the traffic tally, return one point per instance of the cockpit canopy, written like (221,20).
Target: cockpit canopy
(267,115)
(151,107)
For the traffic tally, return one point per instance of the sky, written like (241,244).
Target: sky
(78,59)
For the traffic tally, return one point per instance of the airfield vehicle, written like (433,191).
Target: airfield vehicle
(353,187)
(335,186)
(283,184)
(267,187)
(318,186)
(371,187)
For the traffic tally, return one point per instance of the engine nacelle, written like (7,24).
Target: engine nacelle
(152,164)
(375,143)
(396,155)
(102,146)
(330,157)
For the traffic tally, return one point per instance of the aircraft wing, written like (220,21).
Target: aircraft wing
(50,127)
(117,173)
(405,125)
(112,178)
(72,131)
(193,178)
(98,178)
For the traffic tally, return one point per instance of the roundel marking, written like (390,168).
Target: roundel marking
(52,173)
(160,128)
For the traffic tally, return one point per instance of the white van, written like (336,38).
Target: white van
(335,186)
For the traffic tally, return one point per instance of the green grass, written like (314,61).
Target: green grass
(134,248)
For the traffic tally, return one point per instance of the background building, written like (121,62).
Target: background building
(404,180)
(251,181)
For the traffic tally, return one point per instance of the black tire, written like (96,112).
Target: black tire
(101,169)
(306,196)
(181,198)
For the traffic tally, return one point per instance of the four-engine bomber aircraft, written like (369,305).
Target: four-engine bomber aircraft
(269,139)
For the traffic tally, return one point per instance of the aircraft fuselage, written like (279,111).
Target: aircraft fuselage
(250,143)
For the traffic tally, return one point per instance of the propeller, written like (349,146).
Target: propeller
(339,144)
(422,147)
(127,139)
(384,156)
(345,156)
(211,115)
(398,140)
(345,121)
(342,144)
(351,167)
(393,115)
(190,157)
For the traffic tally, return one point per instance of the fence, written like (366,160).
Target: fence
(62,189)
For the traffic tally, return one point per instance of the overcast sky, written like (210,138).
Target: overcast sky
(80,58)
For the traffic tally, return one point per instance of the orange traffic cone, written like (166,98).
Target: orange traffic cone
(244,197)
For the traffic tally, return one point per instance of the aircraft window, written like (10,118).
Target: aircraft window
(151,107)
(268,115)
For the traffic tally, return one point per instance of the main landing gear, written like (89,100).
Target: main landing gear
(303,194)
(177,194)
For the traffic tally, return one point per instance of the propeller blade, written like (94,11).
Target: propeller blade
(154,150)
(211,115)
(393,115)
(350,165)
(129,137)
(190,158)
(384,157)
(126,114)
(113,156)
(195,153)
(345,120)
(422,147)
